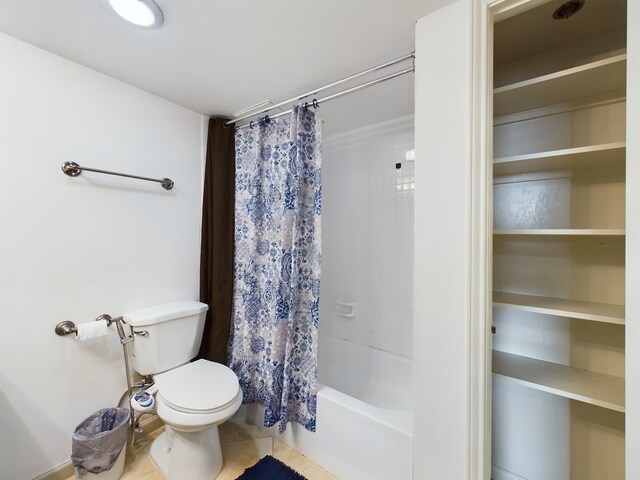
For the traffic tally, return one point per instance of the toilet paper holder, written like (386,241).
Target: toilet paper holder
(68,327)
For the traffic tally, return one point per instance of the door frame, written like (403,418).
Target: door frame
(485,14)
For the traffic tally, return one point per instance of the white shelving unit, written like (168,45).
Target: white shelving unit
(591,79)
(596,312)
(599,389)
(562,163)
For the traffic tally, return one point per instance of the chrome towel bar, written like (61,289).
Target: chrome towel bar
(73,170)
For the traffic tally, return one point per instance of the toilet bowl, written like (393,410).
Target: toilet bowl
(192,401)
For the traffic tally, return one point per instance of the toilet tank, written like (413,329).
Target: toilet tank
(173,335)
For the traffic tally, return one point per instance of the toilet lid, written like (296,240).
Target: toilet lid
(198,387)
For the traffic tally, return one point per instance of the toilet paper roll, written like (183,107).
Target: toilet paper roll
(89,330)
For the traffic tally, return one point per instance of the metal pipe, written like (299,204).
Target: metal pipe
(73,170)
(132,412)
(344,92)
(323,88)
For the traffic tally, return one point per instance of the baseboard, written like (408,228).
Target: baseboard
(61,472)
(498,473)
(65,470)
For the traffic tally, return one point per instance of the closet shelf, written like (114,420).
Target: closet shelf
(590,236)
(587,80)
(583,385)
(596,312)
(570,158)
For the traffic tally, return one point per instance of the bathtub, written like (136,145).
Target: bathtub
(364,414)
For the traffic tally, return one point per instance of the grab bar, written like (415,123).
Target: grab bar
(73,170)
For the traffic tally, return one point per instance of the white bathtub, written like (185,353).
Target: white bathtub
(363,427)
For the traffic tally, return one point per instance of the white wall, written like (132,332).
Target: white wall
(73,248)
(367,235)
(443,243)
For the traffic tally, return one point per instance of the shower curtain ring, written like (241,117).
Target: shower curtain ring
(267,119)
(316,105)
(305,106)
(251,124)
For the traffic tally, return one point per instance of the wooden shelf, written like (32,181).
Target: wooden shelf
(591,236)
(596,312)
(587,80)
(590,387)
(570,158)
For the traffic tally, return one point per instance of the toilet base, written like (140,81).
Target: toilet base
(187,455)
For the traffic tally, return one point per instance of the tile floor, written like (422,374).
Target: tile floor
(242,446)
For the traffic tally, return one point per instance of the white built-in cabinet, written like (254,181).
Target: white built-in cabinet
(559,163)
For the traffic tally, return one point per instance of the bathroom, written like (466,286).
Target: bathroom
(79,84)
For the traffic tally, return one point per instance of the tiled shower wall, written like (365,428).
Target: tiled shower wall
(367,236)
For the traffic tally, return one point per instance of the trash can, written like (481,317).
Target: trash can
(99,445)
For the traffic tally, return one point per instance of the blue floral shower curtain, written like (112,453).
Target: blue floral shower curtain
(276,291)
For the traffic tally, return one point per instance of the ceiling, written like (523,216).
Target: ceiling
(218,57)
(535,31)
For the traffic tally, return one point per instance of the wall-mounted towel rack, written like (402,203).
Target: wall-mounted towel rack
(73,170)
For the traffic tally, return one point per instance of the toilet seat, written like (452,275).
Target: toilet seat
(201,387)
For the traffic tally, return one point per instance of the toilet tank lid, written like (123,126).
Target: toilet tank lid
(162,313)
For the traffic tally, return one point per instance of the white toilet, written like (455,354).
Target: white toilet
(192,398)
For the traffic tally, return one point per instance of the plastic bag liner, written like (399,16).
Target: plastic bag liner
(100,438)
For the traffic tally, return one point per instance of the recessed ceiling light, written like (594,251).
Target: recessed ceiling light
(143,13)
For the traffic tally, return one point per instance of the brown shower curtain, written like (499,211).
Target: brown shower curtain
(216,254)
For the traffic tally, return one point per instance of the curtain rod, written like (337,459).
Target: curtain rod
(316,102)
(321,89)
